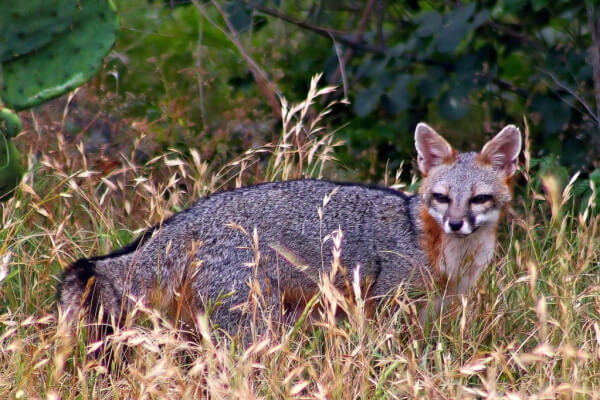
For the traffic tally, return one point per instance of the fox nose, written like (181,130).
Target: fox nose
(455,225)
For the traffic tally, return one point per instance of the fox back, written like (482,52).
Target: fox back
(276,239)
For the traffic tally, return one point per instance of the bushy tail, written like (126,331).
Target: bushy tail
(78,289)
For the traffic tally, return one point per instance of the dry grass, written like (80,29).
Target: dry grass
(530,330)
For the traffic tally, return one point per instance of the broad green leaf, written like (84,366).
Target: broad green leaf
(450,37)
(239,16)
(397,50)
(31,24)
(376,68)
(429,23)
(11,168)
(73,57)
(467,67)
(512,66)
(430,83)
(554,112)
(367,100)
(398,95)
(537,5)
(481,18)
(454,104)
(514,5)
(572,150)
(10,124)
(460,15)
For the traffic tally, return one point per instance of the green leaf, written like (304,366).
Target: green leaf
(467,67)
(595,177)
(397,50)
(429,23)
(31,24)
(512,66)
(538,4)
(398,95)
(450,37)
(481,18)
(10,124)
(454,104)
(430,82)
(376,68)
(428,88)
(11,168)
(573,151)
(460,15)
(367,100)
(514,5)
(239,15)
(67,62)
(554,112)
(455,29)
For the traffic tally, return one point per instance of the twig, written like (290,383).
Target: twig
(594,26)
(380,19)
(342,67)
(504,84)
(199,72)
(572,93)
(357,36)
(340,37)
(516,34)
(325,32)
(266,87)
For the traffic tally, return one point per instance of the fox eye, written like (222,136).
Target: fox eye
(481,199)
(440,198)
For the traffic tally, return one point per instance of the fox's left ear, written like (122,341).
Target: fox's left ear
(503,150)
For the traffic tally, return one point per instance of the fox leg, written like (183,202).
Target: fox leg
(251,307)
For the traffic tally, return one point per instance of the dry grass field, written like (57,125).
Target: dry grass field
(530,330)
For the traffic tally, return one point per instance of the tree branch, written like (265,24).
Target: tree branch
(265,86)
(356,45)
(594,26)
(516,34)
(572,93)
(350,51)
(325,32)
(199,71)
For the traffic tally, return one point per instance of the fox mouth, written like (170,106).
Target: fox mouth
(460,235)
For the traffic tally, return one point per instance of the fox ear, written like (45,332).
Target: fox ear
(432,149)
(503,150)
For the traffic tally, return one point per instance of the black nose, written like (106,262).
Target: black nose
(455,225)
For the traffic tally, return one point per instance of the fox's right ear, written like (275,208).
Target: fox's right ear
(432,149)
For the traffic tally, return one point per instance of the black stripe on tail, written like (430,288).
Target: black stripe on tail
(77,276)
(82,270)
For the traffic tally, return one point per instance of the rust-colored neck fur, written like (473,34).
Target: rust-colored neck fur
(432,245)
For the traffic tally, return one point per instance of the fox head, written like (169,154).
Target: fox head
(464,192)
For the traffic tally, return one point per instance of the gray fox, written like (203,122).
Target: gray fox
(207,259)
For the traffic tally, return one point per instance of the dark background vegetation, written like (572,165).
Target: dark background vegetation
(208,74)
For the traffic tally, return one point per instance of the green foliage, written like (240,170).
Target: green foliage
(11,168)
(29,25)
(10,124)
(71,58)
(467,68)
(46,50)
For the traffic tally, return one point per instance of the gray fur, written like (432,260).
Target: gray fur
(198,260)
(380,233)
